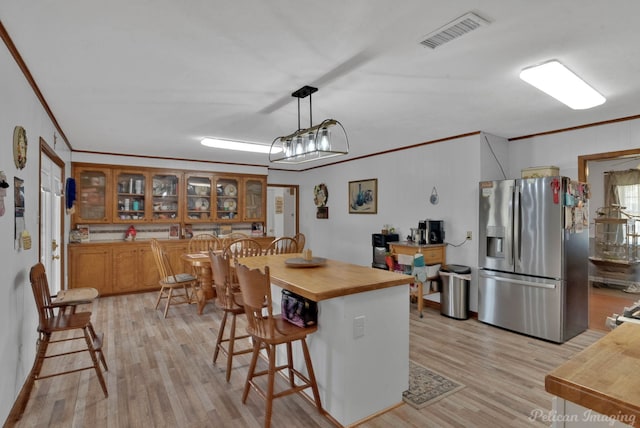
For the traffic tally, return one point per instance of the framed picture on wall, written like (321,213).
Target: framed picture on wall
(322,212)
(363,196)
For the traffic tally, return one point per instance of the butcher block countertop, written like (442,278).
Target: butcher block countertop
(332,279)
(604,377)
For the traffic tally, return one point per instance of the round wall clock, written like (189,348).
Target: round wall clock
(19,147)
(320,195)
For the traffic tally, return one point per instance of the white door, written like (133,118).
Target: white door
(51,217)
(290,212)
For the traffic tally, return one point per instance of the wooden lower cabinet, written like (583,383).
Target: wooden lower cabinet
(90,266)
(122,267)
(433,253)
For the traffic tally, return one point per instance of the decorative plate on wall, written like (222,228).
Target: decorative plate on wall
(19,147)
(320,195)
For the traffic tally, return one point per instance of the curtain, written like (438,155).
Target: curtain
(623,188)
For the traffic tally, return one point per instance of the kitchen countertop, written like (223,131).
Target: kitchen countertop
(333,279)
(604,376)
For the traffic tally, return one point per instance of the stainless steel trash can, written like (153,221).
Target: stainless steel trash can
(454,297)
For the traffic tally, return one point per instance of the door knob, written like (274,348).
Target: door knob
(55,257)
(54,245)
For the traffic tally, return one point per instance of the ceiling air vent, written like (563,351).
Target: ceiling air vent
(453,30)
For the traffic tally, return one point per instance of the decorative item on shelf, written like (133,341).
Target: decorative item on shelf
(74,236)
(174,231)
(84,233)
(130,234)
(230,190)
(313,143)
(19,147)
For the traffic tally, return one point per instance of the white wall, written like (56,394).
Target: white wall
(18,317)
(405,182)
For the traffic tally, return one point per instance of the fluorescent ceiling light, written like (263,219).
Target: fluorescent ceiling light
(242,146)
(558,81)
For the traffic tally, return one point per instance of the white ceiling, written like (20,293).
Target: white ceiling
(152,77)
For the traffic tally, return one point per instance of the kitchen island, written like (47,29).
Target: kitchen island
(599,387)
(360,351)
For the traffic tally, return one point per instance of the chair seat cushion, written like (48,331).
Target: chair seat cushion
(179,278)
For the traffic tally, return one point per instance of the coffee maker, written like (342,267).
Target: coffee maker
(422,230)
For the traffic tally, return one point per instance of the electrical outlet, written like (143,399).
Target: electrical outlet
(469,235)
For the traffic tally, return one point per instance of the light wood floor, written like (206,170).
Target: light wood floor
(161,374)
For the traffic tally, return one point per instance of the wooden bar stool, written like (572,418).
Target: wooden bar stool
(230,301)
(269,331)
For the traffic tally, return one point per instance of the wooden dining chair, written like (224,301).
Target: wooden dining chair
(53,319)
(170,280)
(233,236)
(204,242)
(282,245)
(300,239)
(229,299)
(245,247)
(268,331)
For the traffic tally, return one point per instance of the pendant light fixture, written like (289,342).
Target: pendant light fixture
(324,140)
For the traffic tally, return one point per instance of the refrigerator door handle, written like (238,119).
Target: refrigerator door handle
(517,226)
(520,282)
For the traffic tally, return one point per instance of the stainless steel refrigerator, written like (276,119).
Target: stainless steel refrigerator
(533,257)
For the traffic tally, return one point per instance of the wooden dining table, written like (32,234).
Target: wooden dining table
(201,263)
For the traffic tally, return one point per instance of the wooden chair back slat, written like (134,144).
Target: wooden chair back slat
(245,247)
(204,242)
(283,245)
(256,295)
(300,239)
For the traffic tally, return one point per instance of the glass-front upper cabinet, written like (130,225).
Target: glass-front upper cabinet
(226,204)
(165,197)
(131,189)
(93,200)
(199,197)
(254,189)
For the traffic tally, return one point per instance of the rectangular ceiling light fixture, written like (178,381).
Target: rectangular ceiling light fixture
(243,146)
(456,28)
(556,80)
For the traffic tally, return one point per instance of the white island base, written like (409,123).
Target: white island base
(360,352)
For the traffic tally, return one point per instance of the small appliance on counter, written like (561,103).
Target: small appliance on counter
(422,229)
(436,231)
(380,243)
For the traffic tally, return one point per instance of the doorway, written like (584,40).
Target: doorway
(603,301)
(282,210)
(51,216)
